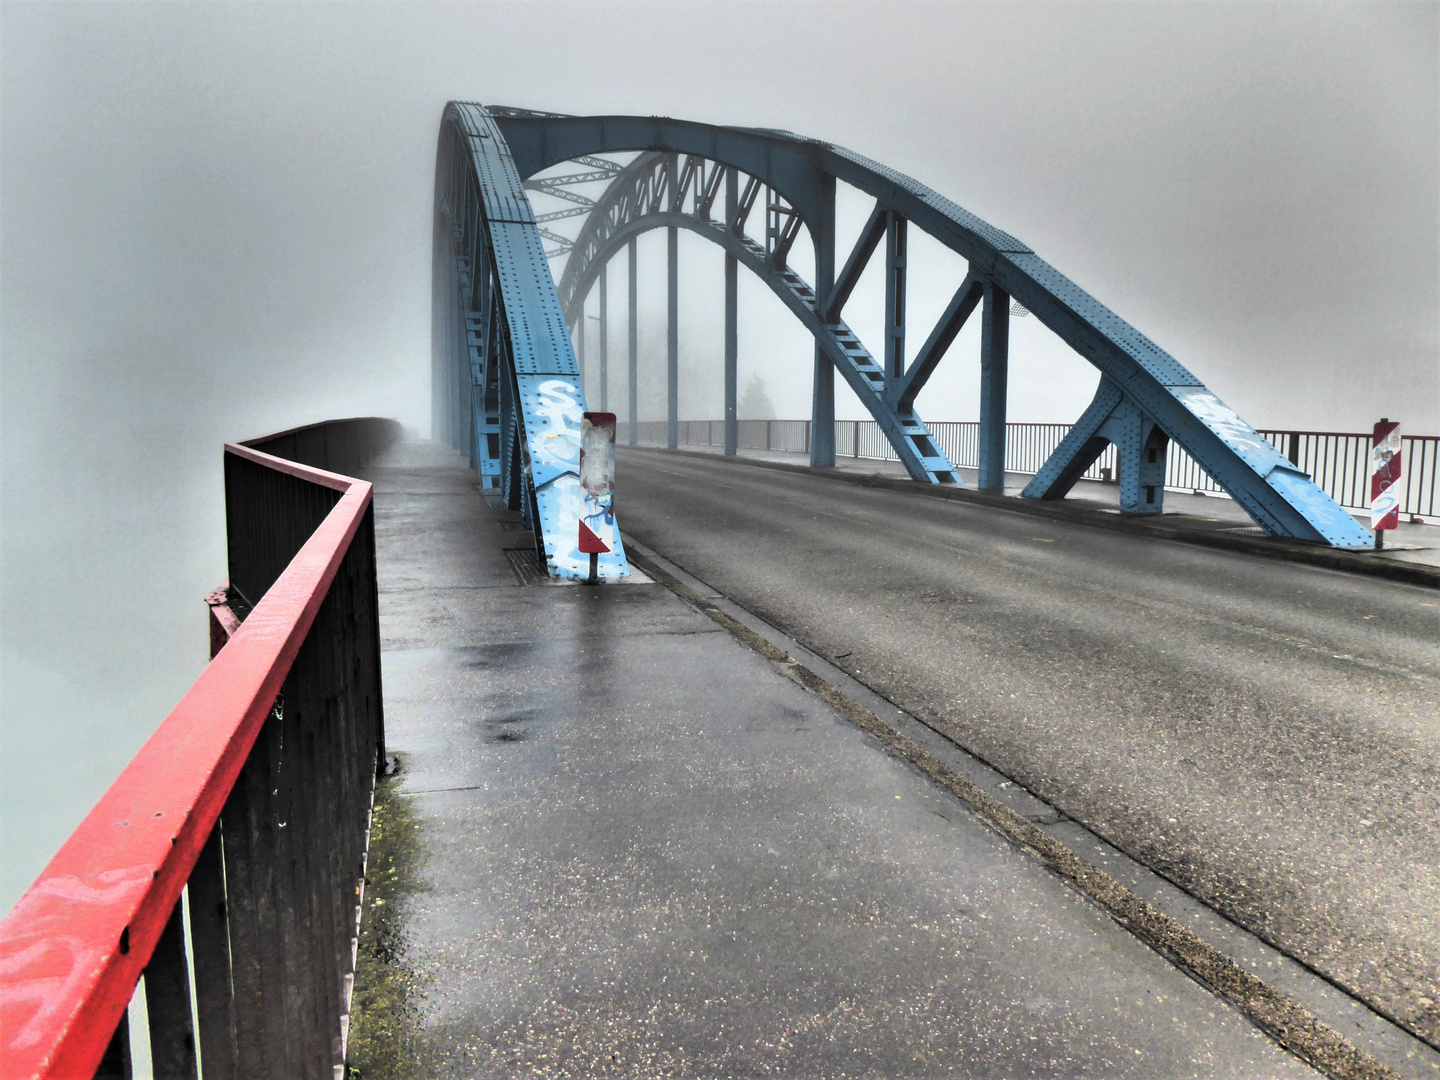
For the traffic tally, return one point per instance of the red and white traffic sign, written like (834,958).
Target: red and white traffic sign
(1385,476)
(597,486)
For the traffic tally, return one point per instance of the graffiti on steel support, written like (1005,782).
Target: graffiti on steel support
(674,183)
(508,386)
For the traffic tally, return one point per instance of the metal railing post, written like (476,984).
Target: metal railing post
(210,946)
(167,999)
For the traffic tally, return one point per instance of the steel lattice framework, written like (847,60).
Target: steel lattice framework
(492,278)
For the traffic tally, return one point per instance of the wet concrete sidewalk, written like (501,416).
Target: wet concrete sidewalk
(648,853)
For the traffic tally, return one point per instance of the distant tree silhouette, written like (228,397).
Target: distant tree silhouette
(755,403)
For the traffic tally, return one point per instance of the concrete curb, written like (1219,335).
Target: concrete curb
(1290,550)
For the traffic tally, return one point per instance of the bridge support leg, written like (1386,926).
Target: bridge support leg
(895,263)
(822,408)
(732,425)
(1139,443)
(822,413)
(1141,447)
(672,339)
(732,303)
(632,385)
(994,374)
(604,342)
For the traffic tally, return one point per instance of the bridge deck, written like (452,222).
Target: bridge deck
(645,851)
(1407,543)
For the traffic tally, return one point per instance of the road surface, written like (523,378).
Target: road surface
(1264,734)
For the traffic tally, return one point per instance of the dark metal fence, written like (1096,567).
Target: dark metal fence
(1339,462)
(338,446)
(247,810)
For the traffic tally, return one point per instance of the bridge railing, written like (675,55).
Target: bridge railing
(225,864)
(1338,462)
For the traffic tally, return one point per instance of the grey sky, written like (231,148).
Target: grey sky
(216,222)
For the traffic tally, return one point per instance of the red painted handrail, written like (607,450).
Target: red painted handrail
(74,947)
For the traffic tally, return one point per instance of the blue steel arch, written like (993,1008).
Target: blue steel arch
(1146,398)
(506,384)
(642,197)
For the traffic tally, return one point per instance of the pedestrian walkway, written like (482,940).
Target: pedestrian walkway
(646,852)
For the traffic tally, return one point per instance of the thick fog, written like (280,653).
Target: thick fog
(217,222)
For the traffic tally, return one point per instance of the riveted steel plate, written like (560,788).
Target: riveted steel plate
(539,338)
(500,188)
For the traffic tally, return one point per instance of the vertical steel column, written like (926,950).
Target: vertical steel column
(895,229)
(822,403)
(672,340)
(604,341)
(632,388)
(994,369)
(732,203)
(672,311)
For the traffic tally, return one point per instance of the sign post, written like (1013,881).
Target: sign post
(597,487)
(1385,467)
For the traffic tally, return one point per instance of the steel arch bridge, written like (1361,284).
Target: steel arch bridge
(507,385)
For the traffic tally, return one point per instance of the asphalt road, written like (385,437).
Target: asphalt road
(1266,735)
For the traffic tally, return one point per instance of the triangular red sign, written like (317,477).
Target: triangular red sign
(590,544)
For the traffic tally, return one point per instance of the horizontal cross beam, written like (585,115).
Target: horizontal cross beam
(569,178)
(559,215)
(561,193)
(555,238)
(610,168)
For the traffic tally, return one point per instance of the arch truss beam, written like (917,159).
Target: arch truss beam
(673,192)
(1147,399)
(507,386)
